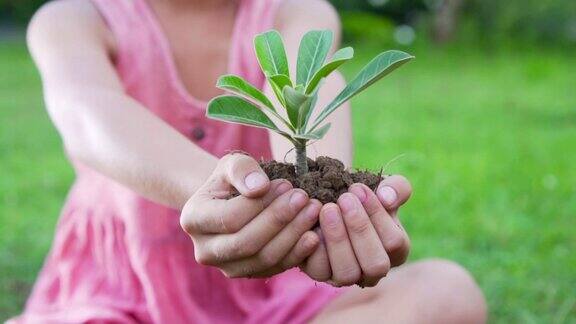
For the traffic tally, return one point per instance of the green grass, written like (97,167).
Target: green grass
(487,139)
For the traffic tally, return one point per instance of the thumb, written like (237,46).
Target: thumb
(394,191)
(245,174)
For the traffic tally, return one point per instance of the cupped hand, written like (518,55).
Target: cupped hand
(361,236)
(263,231)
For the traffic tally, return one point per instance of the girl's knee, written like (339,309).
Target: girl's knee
(452,288)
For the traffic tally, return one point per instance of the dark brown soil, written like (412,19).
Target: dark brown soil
(326,180)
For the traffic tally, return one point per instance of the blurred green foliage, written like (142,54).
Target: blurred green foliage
(401,11)
(543,21)
(18,11)
(490,21)
(361,26)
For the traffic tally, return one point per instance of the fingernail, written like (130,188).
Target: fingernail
(359,192)
(312,211)
(255,180)
(298,199)
(310,241)
(283,188)
(347,203)
(331,216)
(388,195)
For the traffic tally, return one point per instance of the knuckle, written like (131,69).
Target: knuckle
(186,224)
(192,217)
(399,256)
(378,269)
(204,258)
(347,277)
(268,259)
(189,219)
(396,243)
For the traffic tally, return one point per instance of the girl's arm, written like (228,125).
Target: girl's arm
(100,125)
(295,18)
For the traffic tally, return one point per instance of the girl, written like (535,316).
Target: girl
(126,83)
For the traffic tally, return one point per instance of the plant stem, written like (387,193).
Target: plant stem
(301,160)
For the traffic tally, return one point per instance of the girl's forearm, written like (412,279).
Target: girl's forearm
(116,136)
(102,126)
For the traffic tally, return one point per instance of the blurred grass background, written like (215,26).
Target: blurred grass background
(484,127)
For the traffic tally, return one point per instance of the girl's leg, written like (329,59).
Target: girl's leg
(430,291)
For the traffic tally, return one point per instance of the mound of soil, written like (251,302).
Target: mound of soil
(326,179)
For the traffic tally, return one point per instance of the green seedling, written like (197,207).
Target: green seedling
(249,106)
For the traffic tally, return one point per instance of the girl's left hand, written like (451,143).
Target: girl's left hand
(362,237)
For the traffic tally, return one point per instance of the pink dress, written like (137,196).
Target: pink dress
(120,258)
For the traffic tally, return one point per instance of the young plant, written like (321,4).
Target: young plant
(249,106)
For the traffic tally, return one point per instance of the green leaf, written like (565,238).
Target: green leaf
(339,58)
(271,54)
(237,110)
(315,135)
(278,82)
(241,87)
(295,101)
(306,111)
(380,66)
(312,53)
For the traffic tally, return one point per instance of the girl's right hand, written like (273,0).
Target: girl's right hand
(261,232)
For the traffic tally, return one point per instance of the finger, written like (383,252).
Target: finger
(394,191)
(245,174)
(365,241)
(283,248)
(291,243)
(305,246)
(261,230)
(345,268)
(394,239)
(206,215)
(317,266)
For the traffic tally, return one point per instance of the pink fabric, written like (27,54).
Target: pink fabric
(120,258)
